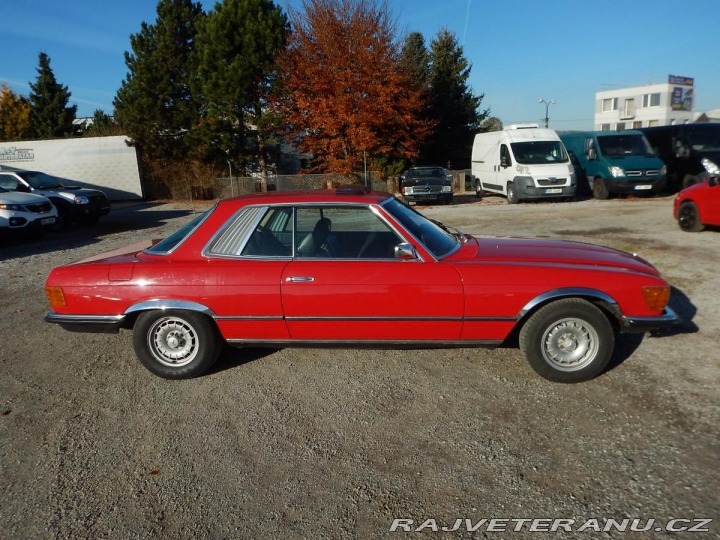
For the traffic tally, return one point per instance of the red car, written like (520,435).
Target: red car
(352,268)
(698,205)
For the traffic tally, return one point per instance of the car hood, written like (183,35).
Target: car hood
(556,252)
(70,191)
(432,181)
(17,197)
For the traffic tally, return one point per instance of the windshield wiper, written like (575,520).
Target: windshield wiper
(451,230)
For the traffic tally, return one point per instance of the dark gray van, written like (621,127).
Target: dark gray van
(691,152)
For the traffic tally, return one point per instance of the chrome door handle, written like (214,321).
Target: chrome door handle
(300,279)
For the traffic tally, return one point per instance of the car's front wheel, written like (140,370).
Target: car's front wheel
(569,340)
(600,190)
(689,218)
(176,344)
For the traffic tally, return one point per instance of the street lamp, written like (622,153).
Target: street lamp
(547,106)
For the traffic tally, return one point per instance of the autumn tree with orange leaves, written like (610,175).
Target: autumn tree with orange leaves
(345,96)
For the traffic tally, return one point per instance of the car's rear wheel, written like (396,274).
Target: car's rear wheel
(569,340)
(599,188)
(689,218)
(176,344)
(479,191)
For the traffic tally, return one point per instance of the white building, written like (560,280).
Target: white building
(645,106)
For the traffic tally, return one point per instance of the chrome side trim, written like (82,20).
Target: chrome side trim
(332,343)
(569,291)
(53,317)
(169,304)
(374,319)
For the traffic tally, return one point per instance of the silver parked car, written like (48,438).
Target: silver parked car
(26,213)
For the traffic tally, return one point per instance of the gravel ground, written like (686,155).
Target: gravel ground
(340,443)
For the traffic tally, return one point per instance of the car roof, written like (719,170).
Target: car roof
(340,195)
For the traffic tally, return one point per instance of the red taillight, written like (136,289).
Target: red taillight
(55,296)
(656,298)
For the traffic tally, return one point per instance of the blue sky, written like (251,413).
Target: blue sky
(520,50)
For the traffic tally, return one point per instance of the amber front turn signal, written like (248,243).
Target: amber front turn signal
(656,298)
(56,296)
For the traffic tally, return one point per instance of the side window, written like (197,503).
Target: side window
(256,231)
(273,235)
(343,232)
(505,156)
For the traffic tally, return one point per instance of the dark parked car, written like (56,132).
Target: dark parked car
(690,151)
(421,184)
(82,205)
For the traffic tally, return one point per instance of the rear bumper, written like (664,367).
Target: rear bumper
(646,324)
(96,324)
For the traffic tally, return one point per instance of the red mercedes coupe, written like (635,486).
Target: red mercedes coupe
(355,268)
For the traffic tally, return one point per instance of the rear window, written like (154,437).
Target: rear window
(174,240)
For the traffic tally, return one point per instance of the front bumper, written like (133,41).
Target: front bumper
(646,324)
(625,185)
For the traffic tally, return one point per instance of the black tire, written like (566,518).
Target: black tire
(689,217)
(688,181)
(599,189)
(512,195)
(479,191)
(176,344)
(569,340)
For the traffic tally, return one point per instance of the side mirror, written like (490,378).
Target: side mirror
(504,161)
(591,153)
(714,180)
(405,252)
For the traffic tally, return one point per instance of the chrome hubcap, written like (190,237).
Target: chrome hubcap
(570,344)
(173,341)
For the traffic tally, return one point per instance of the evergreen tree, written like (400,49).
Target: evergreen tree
(235,73)
(454,108)
(50,116)
(103,125)
(14,115)
(415,60)
(154,105)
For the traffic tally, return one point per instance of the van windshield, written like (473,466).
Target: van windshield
(624,145)
(535,152)
(705,140)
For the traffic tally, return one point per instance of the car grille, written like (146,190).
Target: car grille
(551,181)
(427,189)
(41,208)
(640,172)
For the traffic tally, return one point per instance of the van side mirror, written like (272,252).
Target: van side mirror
(505,161)
(591,153)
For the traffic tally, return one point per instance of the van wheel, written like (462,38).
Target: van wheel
(689,181)
(600,190)
(479,191)
(512,195)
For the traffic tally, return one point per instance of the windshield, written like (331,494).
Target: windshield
(39,180)
(625,145)
(536,152)
(438,241)
(427,172)
(705,140)
(171,242)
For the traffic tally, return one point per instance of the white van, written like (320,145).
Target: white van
(522,162)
